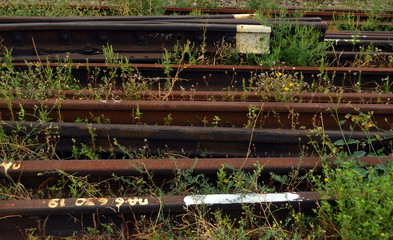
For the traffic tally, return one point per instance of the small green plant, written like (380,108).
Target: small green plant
(83,152)
(364,200)
(38,81)
(372,57)
(75,8)
(252,115)
(186,182)
(136,114)
(142,152)
(387,84)
(349,21)
(235,180)
(283,86)
(195,3)
(216,119)
(168,119)
(295,45)
(262,4)
(22,142)
(186,54)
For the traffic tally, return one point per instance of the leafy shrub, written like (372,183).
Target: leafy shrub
(295,45)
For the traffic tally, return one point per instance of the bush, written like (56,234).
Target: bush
(296,45)
(364,200)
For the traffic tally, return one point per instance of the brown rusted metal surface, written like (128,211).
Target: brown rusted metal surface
(196,141)
(45,207)
(139,204)
(221,96)
(67,217)
(166,166)
(206,19)
(201,113)
(157,166)
(380,25)
(128,39)
(352,40)
(325,14)
(233,68)
(222,10)
(230,77)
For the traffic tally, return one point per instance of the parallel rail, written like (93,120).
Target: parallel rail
(145,39)
(233,77)
(194,141)
(66,217)
(217,122)
(201,113)
(325,14)
(222,96)
(166,167)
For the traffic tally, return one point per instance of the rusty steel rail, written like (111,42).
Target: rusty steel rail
(230,77)
(195,141)
(349,56)
(128,39)
(325,14)
(354,41)
(167,166)
(66,217)
(201,113)
(206,19)
(146,204)
(249,19)
(137,38)
(221,96)
(320,12)
(147,37)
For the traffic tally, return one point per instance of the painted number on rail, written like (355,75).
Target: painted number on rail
(8,165)
(162,36)
(54,203)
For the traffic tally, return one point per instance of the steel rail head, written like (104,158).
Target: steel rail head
(149,204)
(169,166)
(324,13)
(64,217)
(194,141)
(224,96)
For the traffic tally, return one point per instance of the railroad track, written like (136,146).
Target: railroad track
(166,167)
(189,141)
(137,38)
(50,215)
(65,217)
(138,147)
(83,37)
(200,113)
(227,77)
(324,14)
(221,96)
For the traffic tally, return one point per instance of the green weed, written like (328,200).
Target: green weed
(363,199)
(294,45)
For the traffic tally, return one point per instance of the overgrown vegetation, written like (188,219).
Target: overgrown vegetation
(295,45)
(363,198)
(67,8)
(372,7)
